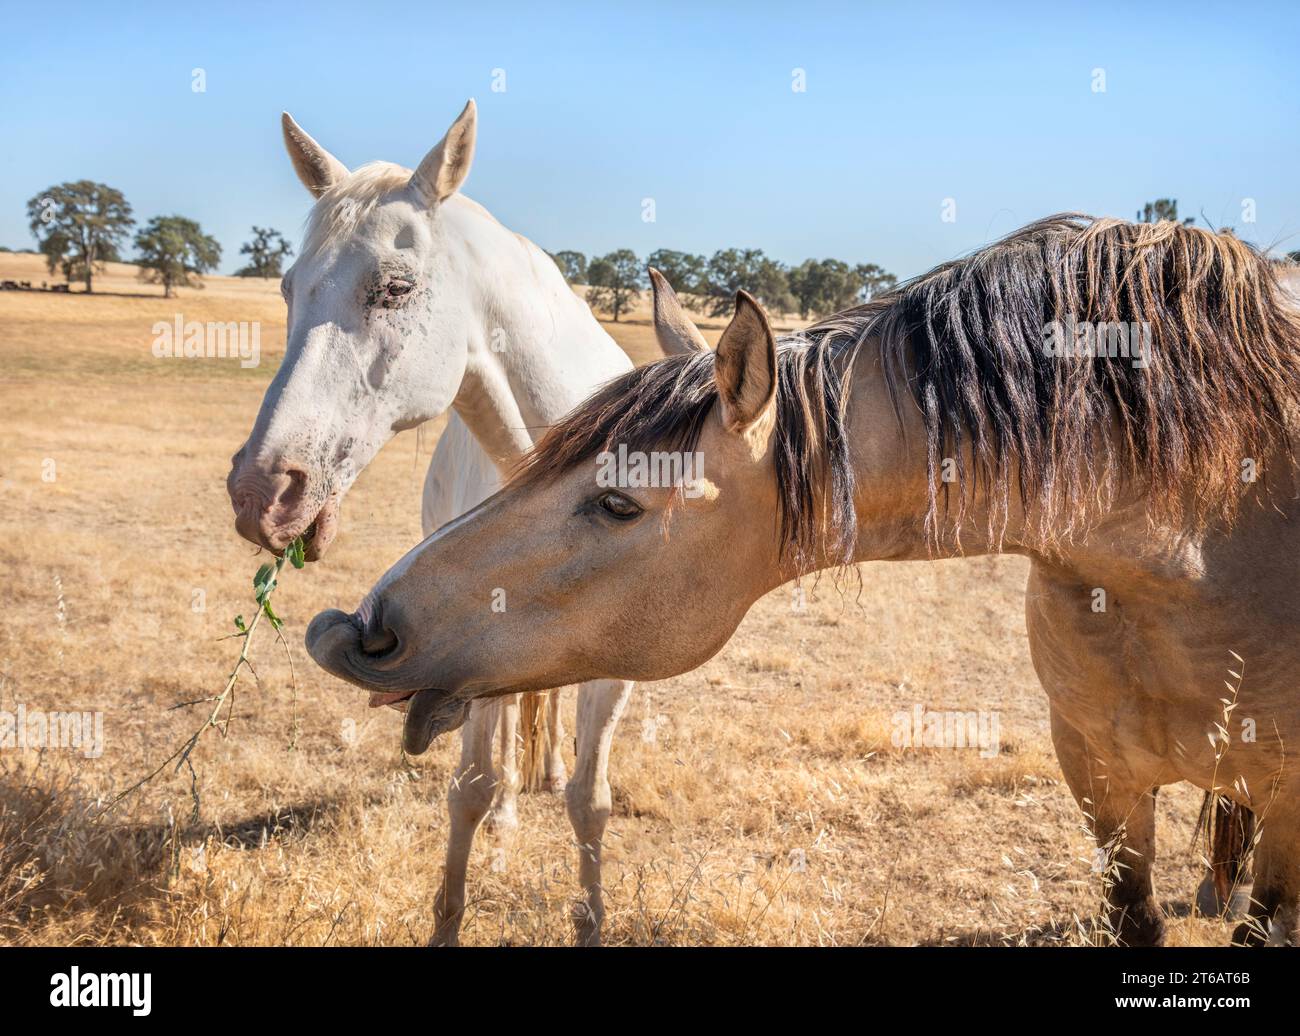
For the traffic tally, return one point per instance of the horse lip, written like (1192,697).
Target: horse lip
(393,698)
(431,712)
(333,641)
(321,630)
(322,528)
(275,531)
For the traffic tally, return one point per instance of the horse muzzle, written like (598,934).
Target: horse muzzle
(369,656)
(273,508)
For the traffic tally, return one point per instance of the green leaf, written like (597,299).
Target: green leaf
(264,582)
(297,553)
(239,624)
(270,614)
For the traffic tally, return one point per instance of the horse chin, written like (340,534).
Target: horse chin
(428,714)
(321,532)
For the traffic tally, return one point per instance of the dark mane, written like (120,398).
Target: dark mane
(663,406)
(966,340)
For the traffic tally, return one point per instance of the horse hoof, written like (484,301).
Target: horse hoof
(1208,903)
(1252,932)
(1140,925)
(586,925)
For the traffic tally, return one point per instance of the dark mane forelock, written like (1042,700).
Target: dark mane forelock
(663,406)
(964,344)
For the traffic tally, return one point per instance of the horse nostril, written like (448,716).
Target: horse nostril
(377,637)
(292,494)
(375,643)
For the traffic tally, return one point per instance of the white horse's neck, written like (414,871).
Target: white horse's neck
(535,350)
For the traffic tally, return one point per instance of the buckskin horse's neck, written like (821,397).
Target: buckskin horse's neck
(1115,546)
(889,450)
(535,350)
(891,500)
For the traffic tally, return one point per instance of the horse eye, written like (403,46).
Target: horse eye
(619,506)
(399,288)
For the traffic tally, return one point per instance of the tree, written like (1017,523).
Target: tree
(805,286)
(80,226)
(683,270)
(826,286)
(174,251)
(616,280)
(875,280)
(731,269)
(573,265)
(822,287)
(1161,209)
(267,252)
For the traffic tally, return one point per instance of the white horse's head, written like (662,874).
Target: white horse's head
(378,334)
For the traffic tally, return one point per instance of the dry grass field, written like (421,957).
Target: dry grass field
(768,807)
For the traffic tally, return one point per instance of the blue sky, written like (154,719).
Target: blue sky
(906,105)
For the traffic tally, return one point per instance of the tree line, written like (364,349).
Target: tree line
(81,225)
(814,288)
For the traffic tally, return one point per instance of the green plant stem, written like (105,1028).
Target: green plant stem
(181,756)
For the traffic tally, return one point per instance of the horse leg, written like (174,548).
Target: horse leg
(555,775)
(504,818)
(1229,830)
(1121,806)
(468,801)
(1210,904)
(1275,898)
(600,703)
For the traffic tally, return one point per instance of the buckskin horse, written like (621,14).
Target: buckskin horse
(1155,496)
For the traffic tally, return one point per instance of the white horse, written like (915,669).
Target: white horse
(408,299)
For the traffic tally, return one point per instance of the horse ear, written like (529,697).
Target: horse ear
(445,167)
(677,335)
(316,167)
(744,366)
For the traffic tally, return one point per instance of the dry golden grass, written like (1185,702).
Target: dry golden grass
(769,807)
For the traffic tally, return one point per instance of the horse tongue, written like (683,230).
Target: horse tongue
(429,714)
